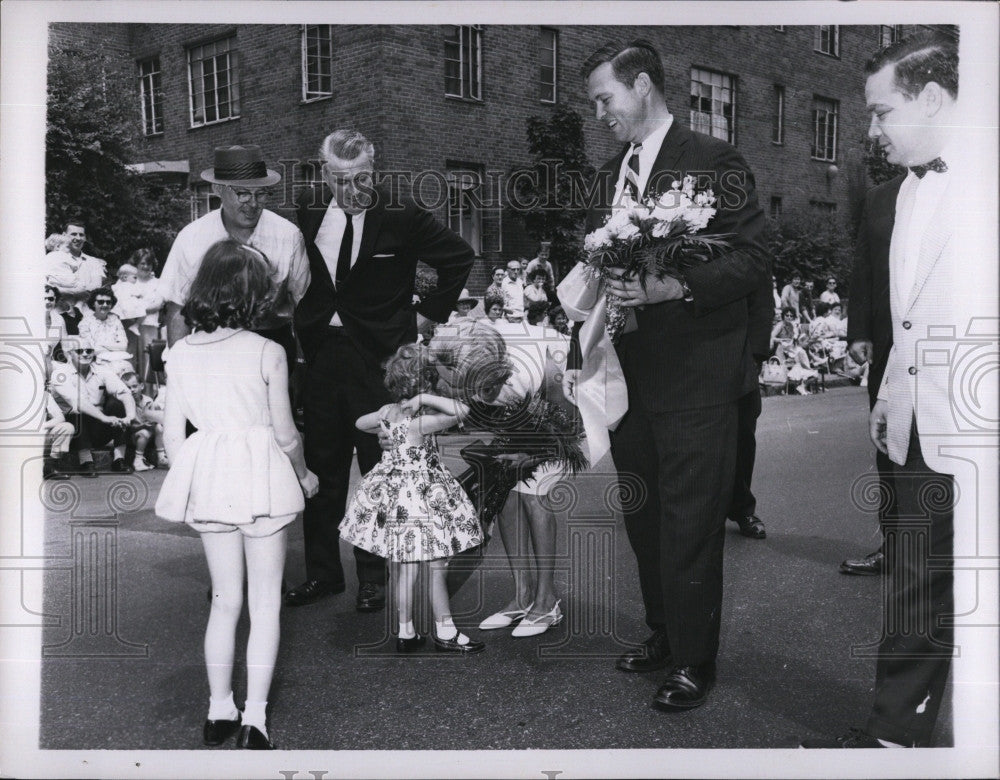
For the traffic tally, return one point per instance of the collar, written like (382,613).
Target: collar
(651,143)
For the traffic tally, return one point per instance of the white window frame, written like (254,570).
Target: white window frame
(322,36)
(549,57)
(222,52)
(203,200)
(778,128)
(714,123)
(466,219)
(824,145)
(151,96)
(469,60)
(888,34)
(827,40)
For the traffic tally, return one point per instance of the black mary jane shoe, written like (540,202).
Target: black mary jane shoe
(410,644)
(454,646)
(216,732)
(252,738)
(685,688)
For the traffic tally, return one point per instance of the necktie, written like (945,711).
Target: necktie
(346,245)
(937,165)
(632,173)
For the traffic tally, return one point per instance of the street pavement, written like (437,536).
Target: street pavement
(123,668)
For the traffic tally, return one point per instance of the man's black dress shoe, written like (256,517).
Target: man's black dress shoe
(453,646)
(53,469)
(410,644)
(651,656)
(686,687)
(251,738)
(854,738)
(216,732)
(121,467)
(311,591)
(371,597)
(751,526)
(870,565)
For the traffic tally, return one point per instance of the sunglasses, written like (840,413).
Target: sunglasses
(86,351)
(49,298)
(102,303)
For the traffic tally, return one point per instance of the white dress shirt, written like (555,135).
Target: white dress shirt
(647,156)
(329,238)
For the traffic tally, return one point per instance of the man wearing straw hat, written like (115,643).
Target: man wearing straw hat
(242,182)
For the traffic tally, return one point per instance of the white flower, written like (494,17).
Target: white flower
(598,239)
(660,229)
(628,231)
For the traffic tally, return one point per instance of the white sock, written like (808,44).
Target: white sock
(446,630)
(406,630)
(253,715)
(222,709)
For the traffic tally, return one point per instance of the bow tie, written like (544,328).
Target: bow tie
(937,165)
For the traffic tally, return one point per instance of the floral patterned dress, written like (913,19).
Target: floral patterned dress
(410,507)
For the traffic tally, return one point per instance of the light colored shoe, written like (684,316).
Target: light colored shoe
(139,464)
(535,627)
(503,619)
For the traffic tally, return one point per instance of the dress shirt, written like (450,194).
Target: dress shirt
(647,156)
(513,293)
(68,386)
(328,240)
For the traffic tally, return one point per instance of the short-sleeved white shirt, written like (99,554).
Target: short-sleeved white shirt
(67,384)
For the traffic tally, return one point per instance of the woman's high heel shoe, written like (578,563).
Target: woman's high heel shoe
(503,619)
(540,625)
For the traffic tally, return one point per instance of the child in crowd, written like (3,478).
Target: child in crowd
(239,478)
(409,509)
(800,369)
(148,423)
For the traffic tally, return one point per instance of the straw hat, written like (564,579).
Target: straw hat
(240,166)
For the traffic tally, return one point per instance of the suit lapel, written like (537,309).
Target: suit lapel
(311,218)
(671,151)
(933,242)
(373,224)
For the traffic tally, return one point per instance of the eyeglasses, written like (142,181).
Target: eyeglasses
(49,298)
(103,303)
(245,196)
(85,351)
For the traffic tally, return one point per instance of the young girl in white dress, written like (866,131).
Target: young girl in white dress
(239,478)
(409,509)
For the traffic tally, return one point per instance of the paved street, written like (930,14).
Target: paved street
(124,669)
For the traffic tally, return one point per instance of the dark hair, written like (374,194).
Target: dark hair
(822,307)
(144,255)
(232,288)
(409,372)
(793,273)
(55,292)
(627,62)
(128,375)
(493,300)
(105,292)
(535,311)
(501,269)
(538,272)
(73,221)
(918,60)
(788,310)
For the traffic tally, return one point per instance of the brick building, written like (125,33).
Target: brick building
(446,105)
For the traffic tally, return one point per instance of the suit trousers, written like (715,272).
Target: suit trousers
(342,384)
(743,502)
(676,470)
(917,635)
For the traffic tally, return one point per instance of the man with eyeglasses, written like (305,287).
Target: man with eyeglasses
(72,272)
(241,180)
(96,402)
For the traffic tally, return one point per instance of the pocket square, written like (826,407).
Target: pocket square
(384,256)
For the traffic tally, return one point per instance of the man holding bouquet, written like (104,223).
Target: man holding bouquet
(686,362)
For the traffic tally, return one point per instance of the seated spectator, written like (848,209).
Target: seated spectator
(58,325)
(829,332)
(72,272)
(97,403)
(785,333)
(535,292)
(463,307)
(536,311)
(558,320)
(829,296)
(513,289)
(496,286)
(541,262)
(104,329)
(147,426)
(494,307)
(59,433)
(800,370)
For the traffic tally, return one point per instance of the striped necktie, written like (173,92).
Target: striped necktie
(632,173)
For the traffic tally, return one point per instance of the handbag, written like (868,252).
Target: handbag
(773,373)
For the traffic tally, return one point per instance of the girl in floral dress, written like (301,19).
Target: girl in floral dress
(409,509)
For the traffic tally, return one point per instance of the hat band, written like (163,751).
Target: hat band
(254,170)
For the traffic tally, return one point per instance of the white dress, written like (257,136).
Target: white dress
(230,472)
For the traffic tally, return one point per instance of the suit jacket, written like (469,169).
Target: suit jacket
(868,308)
(687,355)
(375,301)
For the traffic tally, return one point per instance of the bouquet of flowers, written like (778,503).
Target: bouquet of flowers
(659,236)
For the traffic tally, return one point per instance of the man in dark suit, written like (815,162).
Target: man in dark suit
(869,330)
(686,366)
(363,248)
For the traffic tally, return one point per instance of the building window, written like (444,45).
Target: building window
(317,61)
(151,93)
(547,54)
(713,102)
(213,81)
(778,125)
(203,200)
(463,61)
(888,34)
(465,212)
(825,129)
(823,206)
(828,39)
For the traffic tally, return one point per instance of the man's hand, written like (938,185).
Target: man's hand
(631,291)
(570,378)
(310,484)
(876,426)
(861,351)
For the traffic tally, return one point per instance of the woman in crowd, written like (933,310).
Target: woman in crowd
(105,330)
(148,291)
(785,333)
(535,291)
(494,306)
(59,323)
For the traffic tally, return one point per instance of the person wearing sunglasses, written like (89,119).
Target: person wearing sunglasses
(102,327)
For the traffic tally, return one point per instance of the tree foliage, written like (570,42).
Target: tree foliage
(880,170)
(91,136)
(814,245)
(552,189)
